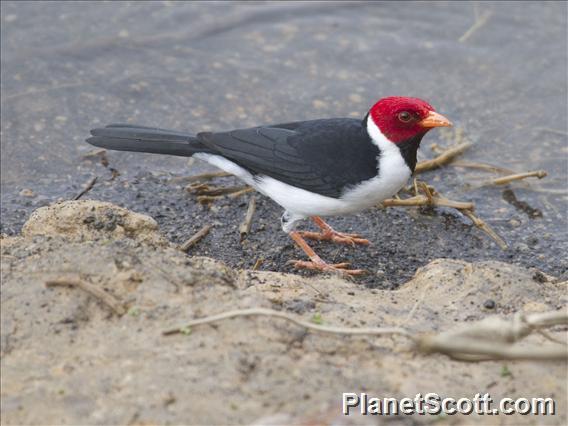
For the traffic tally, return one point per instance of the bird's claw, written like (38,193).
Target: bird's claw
(320,265)
(336,237)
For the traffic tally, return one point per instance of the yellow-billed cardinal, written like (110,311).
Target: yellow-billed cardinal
(311,168)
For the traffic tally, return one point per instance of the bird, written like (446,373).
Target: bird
(313,169)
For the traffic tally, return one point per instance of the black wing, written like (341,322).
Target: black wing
(321,156)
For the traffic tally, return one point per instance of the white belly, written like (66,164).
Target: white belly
(393,175)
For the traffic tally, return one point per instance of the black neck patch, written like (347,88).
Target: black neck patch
(409,149)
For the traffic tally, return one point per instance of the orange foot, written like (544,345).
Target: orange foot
(321,266)
(316,263)
(329,234)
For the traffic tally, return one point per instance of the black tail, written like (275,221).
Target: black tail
(125,137)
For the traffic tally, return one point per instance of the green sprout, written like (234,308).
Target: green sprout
(185,330)
(317,319)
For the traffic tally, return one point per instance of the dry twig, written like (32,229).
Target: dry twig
(490,338)
(480,21)
(94,291)
(198,236)
(88,187)
(278,314)
(243,191)
(486,228)
(214,191)
(518,176)
(431,197)
(244,227)
(207,176)
(257,264)
(444,158)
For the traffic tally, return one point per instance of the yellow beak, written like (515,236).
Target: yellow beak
(433,119)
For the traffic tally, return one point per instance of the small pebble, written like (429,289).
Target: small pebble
(26,192)
(489,304)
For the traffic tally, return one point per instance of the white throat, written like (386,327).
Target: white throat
(379,138)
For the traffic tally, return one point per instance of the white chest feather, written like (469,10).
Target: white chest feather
(393,173)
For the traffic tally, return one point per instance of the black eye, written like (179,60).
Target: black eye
(404,116)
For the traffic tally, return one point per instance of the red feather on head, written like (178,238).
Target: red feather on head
(398,117)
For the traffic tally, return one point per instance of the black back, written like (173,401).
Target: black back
(321,156)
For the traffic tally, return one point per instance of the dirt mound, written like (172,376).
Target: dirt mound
(83,220)
(67,358)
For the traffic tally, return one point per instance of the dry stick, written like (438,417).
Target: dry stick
(486,228)
(434,199)
(510,178)
(287,317)
(480,21)
(94,291)
(473,350)
(490,338)
(244,227)
(244,191)
(207,176)
(196,238)
(257,264)
(89,186)
(422,200)
(442,159)
(207,199)
(216,191)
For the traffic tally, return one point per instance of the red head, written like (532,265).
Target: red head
(401,118)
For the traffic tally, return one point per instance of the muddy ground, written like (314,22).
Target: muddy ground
(67,359)
(402,239)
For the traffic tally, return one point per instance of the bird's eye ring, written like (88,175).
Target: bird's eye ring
(404,116)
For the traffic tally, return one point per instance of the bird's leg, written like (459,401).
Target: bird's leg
(316,263)
(329,234)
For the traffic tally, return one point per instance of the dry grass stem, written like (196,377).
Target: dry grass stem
(424,200)
(480,21)
(242,192)
(208,199)
(213,191)
(88,187)
(278,314)
(488,339)
(486,228)
(492,338)
(94,291)
(444,158)
(518,176)
(244,227)
(257,264)
(430,197)
(198,236)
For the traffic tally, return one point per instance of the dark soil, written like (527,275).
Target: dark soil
(402,239)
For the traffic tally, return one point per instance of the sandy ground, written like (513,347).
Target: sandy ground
(68,359)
